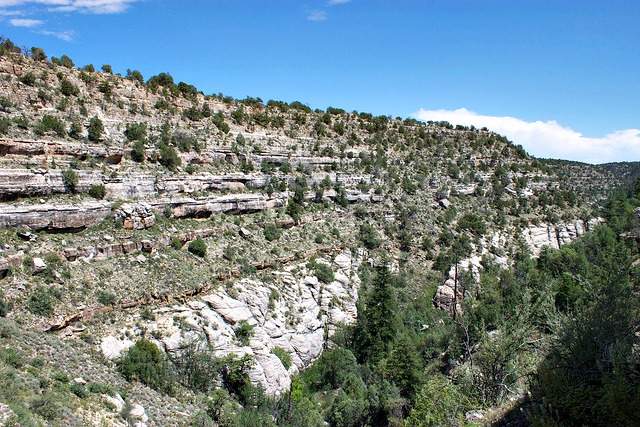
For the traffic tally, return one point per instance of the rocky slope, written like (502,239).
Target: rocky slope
(105,181)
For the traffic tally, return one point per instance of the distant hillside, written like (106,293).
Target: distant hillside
(594,181)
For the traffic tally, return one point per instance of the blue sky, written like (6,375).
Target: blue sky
(560,77)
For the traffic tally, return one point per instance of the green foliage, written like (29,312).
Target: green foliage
(377,323)
(473,223)
(146,363)
(106,68)
(321,270)
(176,243)
(369,236)
(97,191)
(136,131)
(40,302)
(169,157)
(67,88)
(95,129)
(244,331)
(186,142)
(218,119)
(331,368)
(5,124)
(75,131)
(437,404)
(37,54)
(70,179)
(138,151)
(285,167)
(105,297)
(135,75)
(283,355)
(4,307)
(198,247)
(272,232)
(294,210)
(79,390)
(66,61)
(50,123)
(29,79)
(197,367)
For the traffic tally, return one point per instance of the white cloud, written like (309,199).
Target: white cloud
(84,6)
(548,139)
(25,22)
(62,35)
(335,2)
(317,15)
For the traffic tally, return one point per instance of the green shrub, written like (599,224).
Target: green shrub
(322,271)
(138,151)
(369,236)
(79,390)
(4,307)
(283,355)
(5,123)
(40,302)
(70,180)
(105,297)
(97,191)
(169,157)
(147,314)
(49,123)
(100,388)
(135,131)
(29,79)
(244,332)
(75,131)
(66,61)
(106,88)
(49,405)
(198,247)
(146,363)
(272,232)
(67,88)
(95,129)
(176,243)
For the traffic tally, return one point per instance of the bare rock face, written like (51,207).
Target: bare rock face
(112,347)
(136,217)
(555,236)
(51,217)
(295,312)
(6,413)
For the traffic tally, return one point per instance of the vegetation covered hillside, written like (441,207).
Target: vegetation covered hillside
(170,258)
(596,181)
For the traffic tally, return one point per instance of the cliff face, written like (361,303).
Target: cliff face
(294,312)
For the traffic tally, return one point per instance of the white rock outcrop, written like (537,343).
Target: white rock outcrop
(294,311)
(452,291)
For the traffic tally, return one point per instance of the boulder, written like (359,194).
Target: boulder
(138,413)
(445,203)
(38,265)
(112,348)
(136,217)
